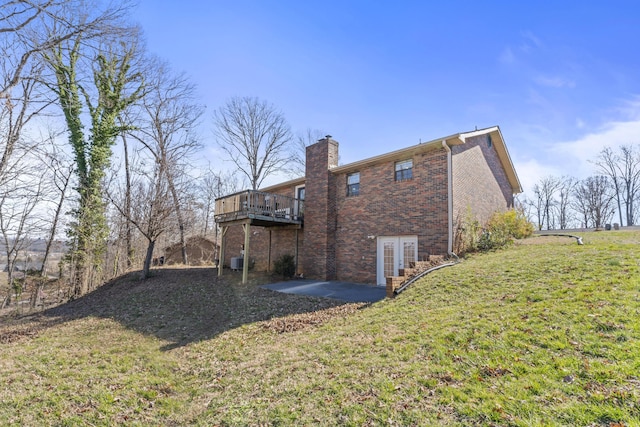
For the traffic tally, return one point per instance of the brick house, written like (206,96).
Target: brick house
(363,221)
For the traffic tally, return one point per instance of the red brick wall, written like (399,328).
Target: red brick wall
(318,260)
(479,180)
(283,241)
(385,207)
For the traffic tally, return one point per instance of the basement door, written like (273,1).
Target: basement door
(394,253)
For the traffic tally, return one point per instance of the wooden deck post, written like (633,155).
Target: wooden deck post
(245,260)
(223,232)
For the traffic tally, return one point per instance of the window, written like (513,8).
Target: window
(404,170)
(298,204)
(353,184)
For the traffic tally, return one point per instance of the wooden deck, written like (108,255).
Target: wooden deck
(260,208)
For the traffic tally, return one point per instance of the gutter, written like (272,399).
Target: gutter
(450,252)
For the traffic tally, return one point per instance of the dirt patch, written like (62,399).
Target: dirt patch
(297,322)
(22,329)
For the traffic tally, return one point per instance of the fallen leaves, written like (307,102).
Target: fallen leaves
(296,322)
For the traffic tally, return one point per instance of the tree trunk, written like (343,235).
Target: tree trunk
(147,259)
(36,296)
(127,203)
(176,203)
(206,220)
(80,283)
(629,206)
(618,197)
(10,290)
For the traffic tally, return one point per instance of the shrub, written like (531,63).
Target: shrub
(468,234)
(499,231)
(285,266)
(511,223)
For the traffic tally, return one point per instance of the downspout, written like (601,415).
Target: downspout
(449,197)
(450,228)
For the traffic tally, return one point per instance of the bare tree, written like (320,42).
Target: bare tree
(166,130)
(152,209)
(17,224)
(255,136)
(544,202)
(580,203)
(301,142)
(15,114)
(30,30)
(127,199)
(629,168)
(636,217)
(29,27)
(563,202)
(60,172)
(523,204)
(594,201)
(21,181)
(125,243)
(211,186)
(608,164)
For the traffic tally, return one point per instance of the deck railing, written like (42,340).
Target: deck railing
(259,205)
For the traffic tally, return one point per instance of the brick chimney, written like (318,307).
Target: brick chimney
(319,256)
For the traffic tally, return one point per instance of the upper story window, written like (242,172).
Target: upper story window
(404,170)
(353,184)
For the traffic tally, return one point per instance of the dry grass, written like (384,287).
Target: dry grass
(181,305)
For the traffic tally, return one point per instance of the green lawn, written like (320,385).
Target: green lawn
(544,333)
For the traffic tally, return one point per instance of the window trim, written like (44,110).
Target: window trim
(403,174)
(353,189)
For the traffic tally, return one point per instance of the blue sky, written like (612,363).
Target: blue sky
(560,78)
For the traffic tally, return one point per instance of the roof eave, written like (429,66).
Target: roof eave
(394,155)
(503,153)
(296,181)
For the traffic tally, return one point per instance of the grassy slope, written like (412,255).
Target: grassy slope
(539,334)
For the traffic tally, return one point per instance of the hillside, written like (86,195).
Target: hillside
(546,332)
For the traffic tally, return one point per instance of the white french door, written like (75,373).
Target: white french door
(394,253)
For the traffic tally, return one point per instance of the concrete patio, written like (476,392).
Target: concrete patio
(344,291)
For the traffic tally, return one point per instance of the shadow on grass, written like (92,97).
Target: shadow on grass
(185,305)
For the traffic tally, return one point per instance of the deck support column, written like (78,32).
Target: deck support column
(245,258)
(223,232)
